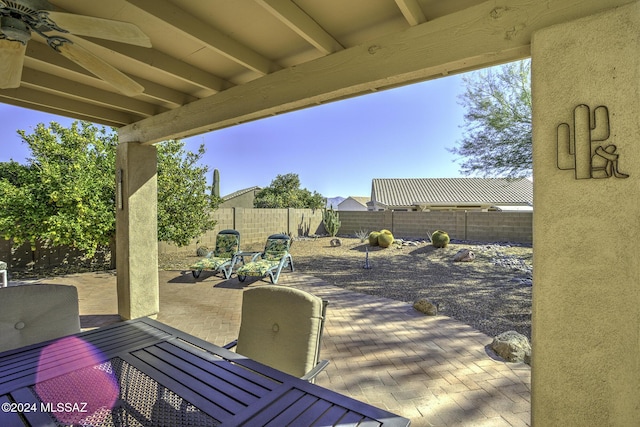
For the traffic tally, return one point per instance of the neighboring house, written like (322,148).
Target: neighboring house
(241,198)
(427,194)
(354,203)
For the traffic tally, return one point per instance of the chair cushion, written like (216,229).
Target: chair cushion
(280,327)
(226,245)
(275,249)
(258,268)
(34,313)
(3,265)
(212,263)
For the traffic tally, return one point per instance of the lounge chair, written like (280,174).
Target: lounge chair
(30,314)
(282,327)
(270,262)
(223,257)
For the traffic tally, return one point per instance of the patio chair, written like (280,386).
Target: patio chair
(282,327)
(270,262)
(31,314)
(222,258)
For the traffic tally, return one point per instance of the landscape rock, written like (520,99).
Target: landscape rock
(426,307)
(512,347)
(464,255)
(335,242)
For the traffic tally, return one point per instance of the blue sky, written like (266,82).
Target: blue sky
(335,148)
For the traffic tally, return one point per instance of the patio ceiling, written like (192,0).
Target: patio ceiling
(217,63)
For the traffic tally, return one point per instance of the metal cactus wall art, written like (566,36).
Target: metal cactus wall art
(587,150)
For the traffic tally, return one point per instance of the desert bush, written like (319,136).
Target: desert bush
(362,235)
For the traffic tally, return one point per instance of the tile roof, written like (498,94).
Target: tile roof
(412,191)
(240,192)
(360,199)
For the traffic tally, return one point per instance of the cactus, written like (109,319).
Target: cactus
(215,185)
(202,251)
(576,152)
(440,239)
(373,238)
(331,221)
(385,239)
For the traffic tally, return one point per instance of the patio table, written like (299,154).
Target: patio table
(144,373)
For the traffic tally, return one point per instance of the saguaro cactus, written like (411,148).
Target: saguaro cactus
(576,152)
(215,185)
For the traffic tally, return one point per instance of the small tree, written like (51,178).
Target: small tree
(184,211)
(497,141)
(331,221)
(285,192)
(65,195)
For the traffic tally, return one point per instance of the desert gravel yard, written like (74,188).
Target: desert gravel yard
(492,293)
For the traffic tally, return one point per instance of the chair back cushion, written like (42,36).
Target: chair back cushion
(227,244)
(31,314)
(281,327)
(277,246)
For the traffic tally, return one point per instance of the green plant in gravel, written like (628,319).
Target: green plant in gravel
(440,239)
(331,221)
(362,235)
(373,238)
(385,239)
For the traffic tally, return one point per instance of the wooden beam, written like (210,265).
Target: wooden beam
(206,34)
(476,37)
(161,62)
(43,81)
(49,102)
(44,54)
(302,24)
(411,11)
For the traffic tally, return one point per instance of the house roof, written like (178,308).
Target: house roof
(359,199)
(217,63)
(416,191)
(240,192)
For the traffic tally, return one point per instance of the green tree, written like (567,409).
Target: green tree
(285,192)
(497,138)
(65,195)
(183,203)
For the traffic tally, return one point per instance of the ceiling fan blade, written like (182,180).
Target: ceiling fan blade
(107,29)
(11,61)
(97,66)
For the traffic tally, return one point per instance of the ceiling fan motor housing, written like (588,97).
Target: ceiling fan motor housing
(15,29)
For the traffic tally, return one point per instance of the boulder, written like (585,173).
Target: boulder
(335,242)
(426,307)
(464,255)
(512,347)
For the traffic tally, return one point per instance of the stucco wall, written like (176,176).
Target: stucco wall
(586,297)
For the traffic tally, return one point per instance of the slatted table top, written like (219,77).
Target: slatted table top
(142,372)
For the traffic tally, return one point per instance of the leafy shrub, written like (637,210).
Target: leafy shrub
(440,239)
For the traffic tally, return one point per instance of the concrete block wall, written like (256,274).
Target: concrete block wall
(255,225)
(500,226)
(482,226)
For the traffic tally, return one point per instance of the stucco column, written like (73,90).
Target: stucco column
(136,230)
(586,288)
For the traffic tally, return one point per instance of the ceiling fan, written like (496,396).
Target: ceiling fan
(19,18)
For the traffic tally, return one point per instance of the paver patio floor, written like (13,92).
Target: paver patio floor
(434,370)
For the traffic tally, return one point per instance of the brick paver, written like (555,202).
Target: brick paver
(434,370)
